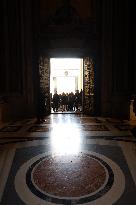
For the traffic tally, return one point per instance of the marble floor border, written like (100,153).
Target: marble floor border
(129,151)
(6,158)
(5,164)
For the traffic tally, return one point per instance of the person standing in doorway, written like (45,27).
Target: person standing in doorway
(55,102)
(77,99)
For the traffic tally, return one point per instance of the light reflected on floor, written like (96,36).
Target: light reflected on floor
(65,139)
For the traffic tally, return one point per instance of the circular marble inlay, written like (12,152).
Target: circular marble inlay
(88,177)
(69,176)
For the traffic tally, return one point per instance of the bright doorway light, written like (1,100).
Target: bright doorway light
(66,75)
(66,84)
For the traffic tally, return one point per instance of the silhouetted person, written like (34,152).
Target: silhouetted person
(55,102)
(63,101)
(77,99)
(71,100)
(80,97)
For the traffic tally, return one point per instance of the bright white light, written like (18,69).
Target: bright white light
(65,63)
(63,142)
(66,84)
(65,74)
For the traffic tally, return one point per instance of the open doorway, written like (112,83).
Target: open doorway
(66,84)
(87,80)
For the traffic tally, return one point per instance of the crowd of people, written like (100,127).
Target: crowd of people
(59,102)
(67,101)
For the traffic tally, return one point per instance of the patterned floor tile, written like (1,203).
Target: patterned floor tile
(90,120)
(61,161)
(38,128)
(10,128)
(124,127)
(96,174)
(95,128)
(112,120)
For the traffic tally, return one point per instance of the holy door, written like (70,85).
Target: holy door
(88,86)
(44,81)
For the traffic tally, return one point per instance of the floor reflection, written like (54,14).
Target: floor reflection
(68,159)
(65,135)
(65,139)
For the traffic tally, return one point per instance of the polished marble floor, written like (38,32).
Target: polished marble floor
(68,159)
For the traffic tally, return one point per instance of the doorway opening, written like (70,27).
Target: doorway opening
(47,83)
(66,85)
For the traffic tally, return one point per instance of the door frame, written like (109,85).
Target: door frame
(90,112)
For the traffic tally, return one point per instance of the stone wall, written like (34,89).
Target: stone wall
(16,56)
(118,73)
